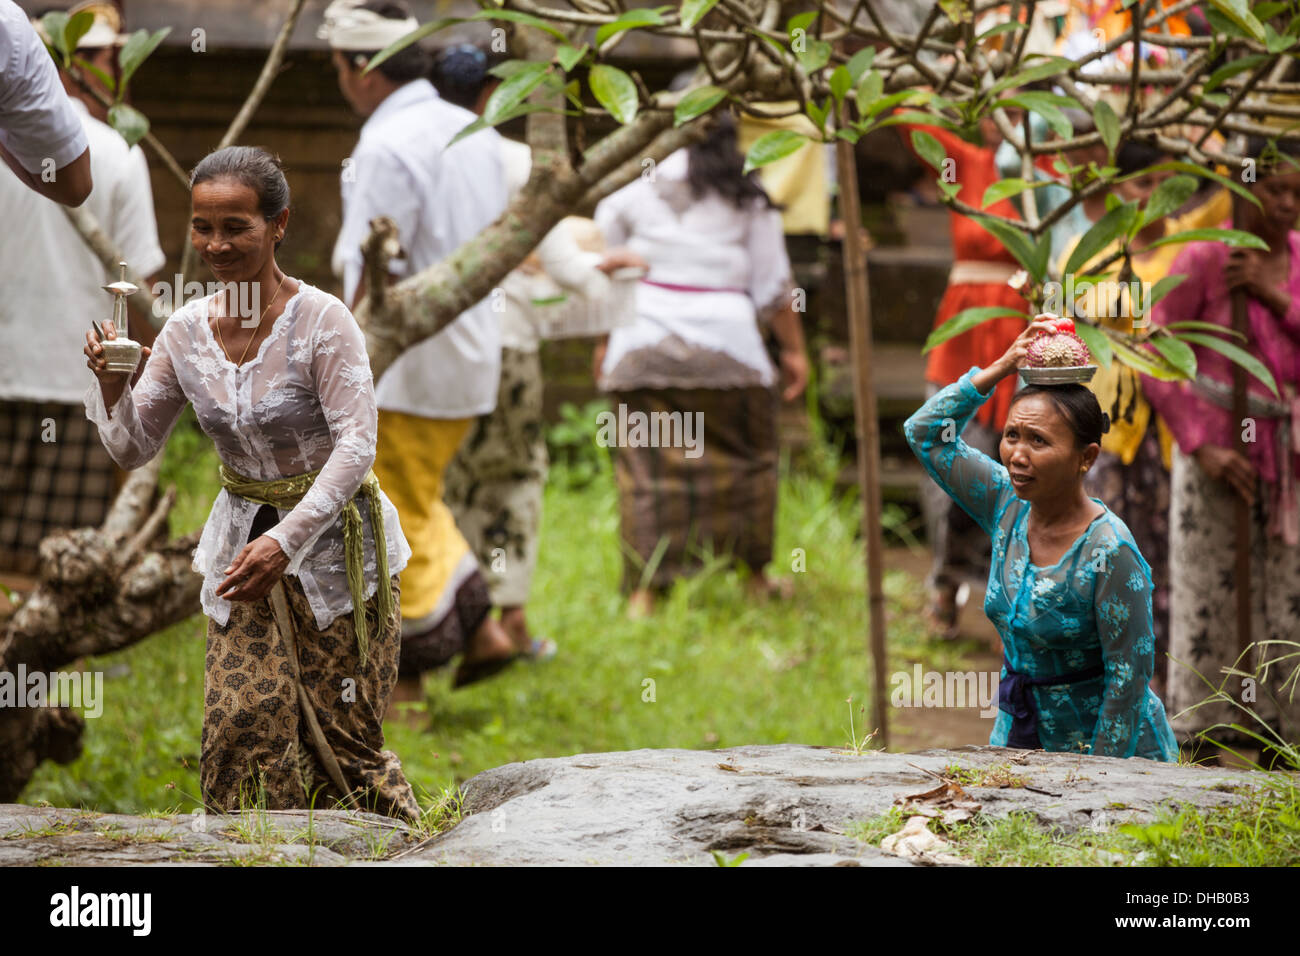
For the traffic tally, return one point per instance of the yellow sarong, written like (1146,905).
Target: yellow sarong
(410,460)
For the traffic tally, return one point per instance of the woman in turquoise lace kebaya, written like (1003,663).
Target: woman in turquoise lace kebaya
(1068,590)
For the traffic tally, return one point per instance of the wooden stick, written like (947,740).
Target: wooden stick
(1242,509)
(868,425)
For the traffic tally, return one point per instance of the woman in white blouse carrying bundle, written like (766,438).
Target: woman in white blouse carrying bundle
(301,552)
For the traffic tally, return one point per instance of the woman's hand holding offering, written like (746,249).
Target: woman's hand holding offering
(111,384)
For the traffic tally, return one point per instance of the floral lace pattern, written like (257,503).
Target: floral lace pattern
(1093,607)
(305,401)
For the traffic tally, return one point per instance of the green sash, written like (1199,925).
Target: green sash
(284,493)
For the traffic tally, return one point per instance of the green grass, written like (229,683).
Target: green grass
(1261,830)
(711,668)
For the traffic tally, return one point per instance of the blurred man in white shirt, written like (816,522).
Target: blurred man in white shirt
(439,198)
(40,137)
(54,472)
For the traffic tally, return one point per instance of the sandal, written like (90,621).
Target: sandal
(543,649)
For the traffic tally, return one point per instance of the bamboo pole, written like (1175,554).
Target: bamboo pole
(867,423)
(1241,508)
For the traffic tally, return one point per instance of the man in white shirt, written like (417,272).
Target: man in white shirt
(439,198)
(41,139)
(54,472)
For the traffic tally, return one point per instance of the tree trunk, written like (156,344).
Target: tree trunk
(101,590)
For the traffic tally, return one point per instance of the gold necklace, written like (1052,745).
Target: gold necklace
(243,355)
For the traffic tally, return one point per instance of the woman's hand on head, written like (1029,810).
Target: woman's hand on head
(1014,357)
(254,571)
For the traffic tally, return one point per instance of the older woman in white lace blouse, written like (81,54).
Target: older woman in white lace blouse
(283,391)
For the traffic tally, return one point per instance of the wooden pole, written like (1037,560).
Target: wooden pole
(868,426)
(1242,509)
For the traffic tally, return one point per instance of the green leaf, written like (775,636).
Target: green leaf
(1046,105)
(523,109)
(1178,353)
(1096,340)
(129,122)
(772,146)
(1234,353)
(1207,326)
(1163,288)
(1146,361)
(693,11)
(1168,196)
(914,117)
(1182,166)
(1232,68)
(55,25)
(513,91)
(109,83)
(1050,66)
(816,54)
(1235,238)
(1042,254)
(967,319)
(929,149)
(951,190)
(415,36)
(630,20)
(800,21)
(77,27)
(1017,243)
(860,62)
(869,94)
(1107,125)
(1275,42)
(136,50)
(697,103)
(817,114)
(1006,188)
(518,16)
(840,82)
(1238,12)
(1104,231)
(850,134)
(1001,28)
(614,90)
(569,57)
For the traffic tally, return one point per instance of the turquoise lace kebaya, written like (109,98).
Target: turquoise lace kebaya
(1091,610)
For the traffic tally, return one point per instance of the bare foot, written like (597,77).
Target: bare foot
(640,603)
(516,628)
(407,690)
(779,589)
(489,641)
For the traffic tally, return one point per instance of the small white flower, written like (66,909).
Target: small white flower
(1018,280)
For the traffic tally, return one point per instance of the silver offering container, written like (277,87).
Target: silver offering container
(1061,375)
(122,354)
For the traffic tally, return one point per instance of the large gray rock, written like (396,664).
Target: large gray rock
(46,836)
(781,805)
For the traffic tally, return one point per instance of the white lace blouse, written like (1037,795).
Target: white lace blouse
(305,401)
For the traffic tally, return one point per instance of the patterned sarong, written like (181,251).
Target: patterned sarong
(1203,607)
(54,474)
(255,741)
(676,510)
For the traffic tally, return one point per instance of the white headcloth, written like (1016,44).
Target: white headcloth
(348,27)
